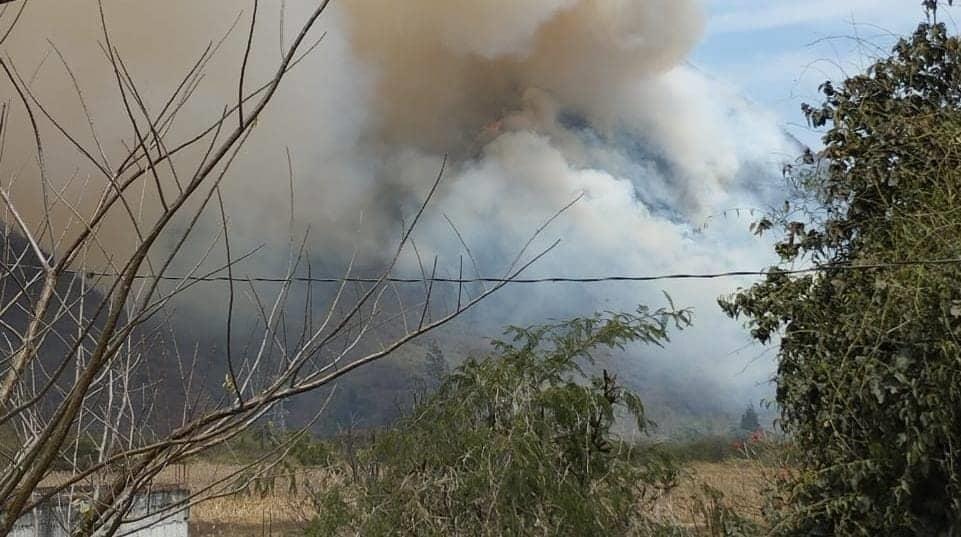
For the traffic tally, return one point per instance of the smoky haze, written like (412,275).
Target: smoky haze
(445,70)
(534,103)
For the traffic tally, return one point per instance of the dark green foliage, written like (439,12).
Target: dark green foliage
(335,514)
(309,451)
(80,453)
(707,448)
(252,444)
(869,375)
(518,443)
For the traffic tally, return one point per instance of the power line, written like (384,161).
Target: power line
(551,279)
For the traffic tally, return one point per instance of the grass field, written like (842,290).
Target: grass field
(287,510)
(284,509)
(281,504)
(741,482)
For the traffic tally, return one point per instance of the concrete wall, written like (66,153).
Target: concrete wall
(55,517)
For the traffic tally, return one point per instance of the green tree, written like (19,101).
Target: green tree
(749,420)
(869,371)
(521,442)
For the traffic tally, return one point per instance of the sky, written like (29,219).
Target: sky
(777,52)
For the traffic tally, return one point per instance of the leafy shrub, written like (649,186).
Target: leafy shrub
(869,378)
(309,451)
(518,443)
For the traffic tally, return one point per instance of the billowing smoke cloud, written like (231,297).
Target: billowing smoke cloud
(446,69)
(535,102)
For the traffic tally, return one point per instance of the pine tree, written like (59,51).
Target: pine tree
(749,420)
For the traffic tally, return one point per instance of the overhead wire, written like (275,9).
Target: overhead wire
(532,280)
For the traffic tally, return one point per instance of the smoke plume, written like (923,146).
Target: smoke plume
(535,103)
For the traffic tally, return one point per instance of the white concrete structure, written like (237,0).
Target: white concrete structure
(152,515)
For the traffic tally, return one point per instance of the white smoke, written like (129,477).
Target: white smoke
(535,102)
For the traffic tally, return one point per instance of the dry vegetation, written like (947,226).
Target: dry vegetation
(277,505)
(742,483)
(286,510)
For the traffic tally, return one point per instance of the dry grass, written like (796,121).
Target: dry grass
(287,508)
(742,482)
(276,505)
(286,512)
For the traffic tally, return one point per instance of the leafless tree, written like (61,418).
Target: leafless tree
(96,321)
